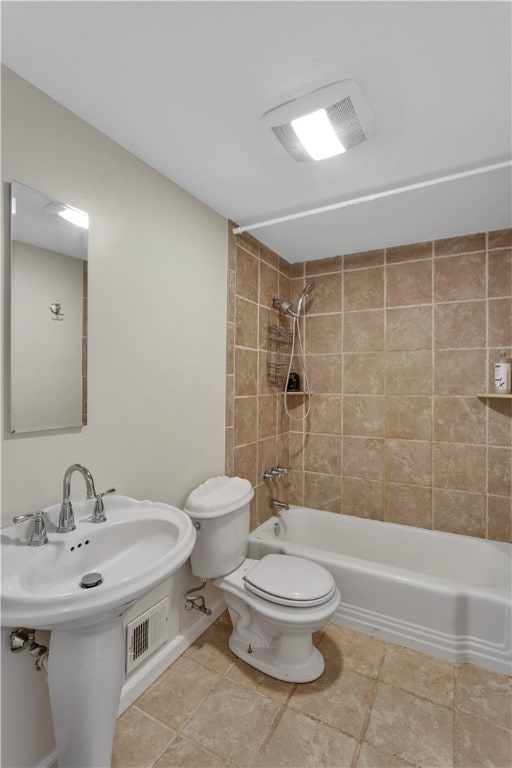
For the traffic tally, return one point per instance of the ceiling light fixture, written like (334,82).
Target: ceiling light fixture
(321,124)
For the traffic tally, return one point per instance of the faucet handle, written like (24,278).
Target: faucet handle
(98,515)
(38,536)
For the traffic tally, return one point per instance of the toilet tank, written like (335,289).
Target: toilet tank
(220,511)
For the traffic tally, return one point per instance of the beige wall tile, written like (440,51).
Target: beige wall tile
(459,372)
(500,273)
(409,252)
(246,275)
(230,393)
(363,331)
(459,278)
(397,714)
(246,325)
(326,296)
(408,505)
(296,451)
(284,266)
(461,325)
(322,453)
(270,257)
(322,491)
(409,373)
(500,323)
(245,458)
(248,242)
(246,415)
(425,676)
(459,512)
(267,455)
(363,415)
(230,298)
(268,285)
(409,328)
(267,416)
(364,259)
(230,348)
(462,244)
(296,487)
(459,420)
(362,498)
(266,317)
(409,462)
(231,246)
(459,467)
(321,266)
(500,238)
(409,417)
(297,269)
(480,743)
(246,371)
(364,373)
(323,333)
(300,741)
(499,476)
(499,518)
(409,283)
(363,457)
(325,415)
(324,373)
(363,289)
(228,451)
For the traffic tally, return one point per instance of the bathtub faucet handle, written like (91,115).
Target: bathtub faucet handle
(281,470)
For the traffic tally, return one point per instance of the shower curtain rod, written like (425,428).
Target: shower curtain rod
(376,196)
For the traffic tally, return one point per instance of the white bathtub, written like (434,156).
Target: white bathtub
(441,593)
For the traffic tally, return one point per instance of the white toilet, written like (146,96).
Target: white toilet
(275,603)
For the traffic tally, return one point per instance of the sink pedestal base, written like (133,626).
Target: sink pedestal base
(85,676)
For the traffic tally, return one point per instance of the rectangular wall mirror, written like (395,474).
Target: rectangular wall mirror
(48,297)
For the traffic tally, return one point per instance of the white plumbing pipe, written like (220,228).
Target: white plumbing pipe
(376,196)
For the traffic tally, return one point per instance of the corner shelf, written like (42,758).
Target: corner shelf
(493,394)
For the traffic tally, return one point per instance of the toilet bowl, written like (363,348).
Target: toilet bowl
(275,603)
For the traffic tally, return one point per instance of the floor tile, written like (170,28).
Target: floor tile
(249,677)
(414,729)
(359,652)
(176,695)
(340,698)
(417,673)
(480,744)
(233,722)
(212,650)
(485,694)
(183,754)
(139,740)
(299,742)
(371,757)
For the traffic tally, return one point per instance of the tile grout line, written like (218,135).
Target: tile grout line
(366,722)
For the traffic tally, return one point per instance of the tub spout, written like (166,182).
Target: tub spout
(276,504)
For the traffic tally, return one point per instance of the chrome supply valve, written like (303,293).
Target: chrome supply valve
(99,516)
(22,638)
(38,535)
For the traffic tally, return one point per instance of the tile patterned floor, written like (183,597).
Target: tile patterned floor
(377,705)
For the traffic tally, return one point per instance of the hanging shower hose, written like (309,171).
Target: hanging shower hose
(295,334)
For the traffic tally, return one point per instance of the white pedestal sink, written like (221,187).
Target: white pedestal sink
(141,544)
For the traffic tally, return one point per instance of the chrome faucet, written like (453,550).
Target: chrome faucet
(276,504)
(67,518)
(38,535)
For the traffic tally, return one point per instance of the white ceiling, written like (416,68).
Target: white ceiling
(183,86)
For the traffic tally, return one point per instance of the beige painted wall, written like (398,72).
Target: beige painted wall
(156,353)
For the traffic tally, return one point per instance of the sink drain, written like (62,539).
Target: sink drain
(91,580)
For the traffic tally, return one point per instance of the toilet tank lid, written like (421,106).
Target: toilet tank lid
(218,496)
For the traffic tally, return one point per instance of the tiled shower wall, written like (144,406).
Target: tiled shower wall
(398,344)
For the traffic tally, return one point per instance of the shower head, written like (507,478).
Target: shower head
(307,290)
(286,307)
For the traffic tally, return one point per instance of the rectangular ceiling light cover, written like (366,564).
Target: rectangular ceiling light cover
(339,107)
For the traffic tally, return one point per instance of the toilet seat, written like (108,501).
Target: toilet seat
(289,580)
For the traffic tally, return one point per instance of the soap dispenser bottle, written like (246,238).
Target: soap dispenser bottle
(503,374)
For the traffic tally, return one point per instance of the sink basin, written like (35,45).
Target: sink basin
(141,544)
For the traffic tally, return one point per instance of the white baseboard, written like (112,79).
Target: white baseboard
(155,666)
